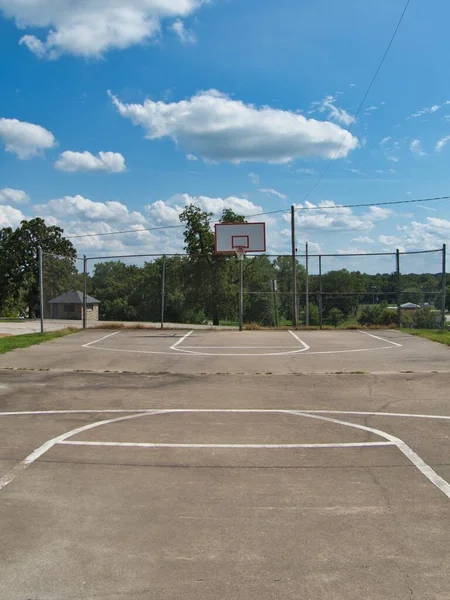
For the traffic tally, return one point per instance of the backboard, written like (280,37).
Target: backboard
(250,237)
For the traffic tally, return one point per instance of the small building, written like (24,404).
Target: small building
(70,306)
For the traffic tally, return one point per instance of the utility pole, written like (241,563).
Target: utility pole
(294,270)
(307,285)
(398,285)
(444,283)
(41,288)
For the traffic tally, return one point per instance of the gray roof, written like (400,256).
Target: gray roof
(73,297)
(410,305)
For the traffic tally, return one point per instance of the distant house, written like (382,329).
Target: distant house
(70,306)
(409,306)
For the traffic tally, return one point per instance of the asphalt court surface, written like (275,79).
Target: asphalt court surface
(212,352)
(123,483)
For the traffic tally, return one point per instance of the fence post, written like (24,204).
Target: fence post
(163,291)
(294,270)
(41,288)
(398,286)
(84,291)
(307,285)
(320,294)
(444,284)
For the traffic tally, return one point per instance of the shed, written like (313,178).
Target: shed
(70,306)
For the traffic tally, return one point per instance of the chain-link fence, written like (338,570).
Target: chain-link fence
(387,289)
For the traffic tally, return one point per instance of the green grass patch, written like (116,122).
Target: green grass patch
(443,337)
(30,339)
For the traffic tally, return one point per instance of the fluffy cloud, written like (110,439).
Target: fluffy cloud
(272,192)
(10,217)
(329,216)
(25,139)
(328,106)
(416,148)
(185,35)
(442,143)
(92,27)
(218,128)
(10,196)
(363,239)
(389,240)
(85,209)
(377,213)
(111,162)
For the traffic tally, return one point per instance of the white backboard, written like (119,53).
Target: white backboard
(251,236)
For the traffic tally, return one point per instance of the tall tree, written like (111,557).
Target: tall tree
(19,259)
(210,277)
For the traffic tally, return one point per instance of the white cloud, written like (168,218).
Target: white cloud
(167,212)
(442,143)
(329,216)
(219,128)
(416,148)
(385,140)
(328,106)
(427,110)
(10,196)
(389,240)
(377,213)
(254,178)
(191,157)
(272,192)
(363,239)
(306,171)
(85,209)
(10,217)
(72,162)
(393,159)
(185,35)
(25,139)
(355,171)
(92,27)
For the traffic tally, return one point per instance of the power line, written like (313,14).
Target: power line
(272,212)
(324,172)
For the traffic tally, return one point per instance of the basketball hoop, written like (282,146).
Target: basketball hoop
(240,251)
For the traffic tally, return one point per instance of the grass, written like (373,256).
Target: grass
(24,341)
(443,337)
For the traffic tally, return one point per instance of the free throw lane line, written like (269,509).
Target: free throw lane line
(377,337)
(100,340)
(181,340)
(227,446)
(420,464)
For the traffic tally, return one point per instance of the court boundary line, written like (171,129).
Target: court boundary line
(149,410)
(188,350)
(414,458)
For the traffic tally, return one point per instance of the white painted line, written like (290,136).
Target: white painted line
(237,410)
(377,337)
(420,464)
(31,458)
(237,347)
(100,340)
(295,336)
(228,446)
(289,352)
(181,340)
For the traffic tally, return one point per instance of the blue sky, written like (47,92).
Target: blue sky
(114,115)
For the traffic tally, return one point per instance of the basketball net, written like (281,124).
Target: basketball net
(240,251)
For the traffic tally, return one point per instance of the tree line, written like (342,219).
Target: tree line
(200,286)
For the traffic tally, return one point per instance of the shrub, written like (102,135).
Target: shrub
(335,316)
(426,318)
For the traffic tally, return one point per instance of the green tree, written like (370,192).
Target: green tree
(19,265)
(335,316)
(210,282)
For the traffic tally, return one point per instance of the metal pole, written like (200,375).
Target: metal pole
(241,292)
(294,270)
(307,285)
(320,294)
(398,284)
(444,284)
(41,288)
(84,291)
(163,291)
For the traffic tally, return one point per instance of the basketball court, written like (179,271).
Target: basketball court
(256,465)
